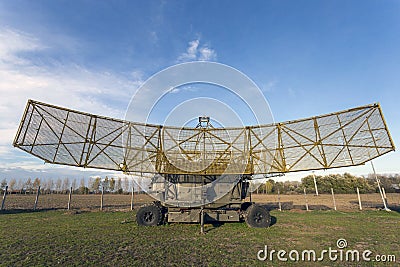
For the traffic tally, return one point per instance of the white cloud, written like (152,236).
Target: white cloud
(14,42)
(207,54)
(23,76)
(153,36)
(188,88)
(195,51)
(191,51)
(270,86)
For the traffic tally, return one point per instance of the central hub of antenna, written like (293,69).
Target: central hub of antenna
(204,122)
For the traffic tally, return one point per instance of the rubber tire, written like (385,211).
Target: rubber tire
(149,215)
(258,217)
(245,206)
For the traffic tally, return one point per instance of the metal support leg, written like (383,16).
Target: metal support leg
(202,220)
(380,189)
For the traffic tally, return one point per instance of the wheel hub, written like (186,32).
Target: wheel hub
(148,216)
(258,217)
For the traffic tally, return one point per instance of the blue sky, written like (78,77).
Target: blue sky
(308,58)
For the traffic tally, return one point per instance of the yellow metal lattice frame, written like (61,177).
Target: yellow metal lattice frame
(63,136)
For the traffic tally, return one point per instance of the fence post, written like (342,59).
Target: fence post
(37,198)
(333,197)
(4,198)
(359,198)
(279,201)
(305,197)
(202,220)
(69,198)
(101,200)
(132,196)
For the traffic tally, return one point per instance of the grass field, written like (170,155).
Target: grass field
(112,238)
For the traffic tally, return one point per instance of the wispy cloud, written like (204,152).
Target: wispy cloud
(195,51)
(269,86)
(23,76)
(28,71)
(14,43)
(153,36)
(207,54)
(188,88)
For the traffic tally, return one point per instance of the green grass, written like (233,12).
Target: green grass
(113,238)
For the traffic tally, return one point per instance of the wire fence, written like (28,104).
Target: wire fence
(340,202)
(124,202)
(87,202)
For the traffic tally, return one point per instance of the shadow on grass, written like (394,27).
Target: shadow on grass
(290,206)
(215,226)
(18,211)
(377,205)
(274,220)
(395,208)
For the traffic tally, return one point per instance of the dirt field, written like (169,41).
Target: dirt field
(344,202)
(81,202)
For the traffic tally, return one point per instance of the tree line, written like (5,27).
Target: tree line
(341,184)
(62,186)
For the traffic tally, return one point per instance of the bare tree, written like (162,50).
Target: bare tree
(96,184)
(106,184)
(65,185)
(43,184)
(28,185)
(36,183)
(82,183)
(49,186)
(3,183)
(126,185)
(73,184)
(119,185)
(112,184)
(20,185)
(12,184)
(82,187)
(90,183)
(58,185)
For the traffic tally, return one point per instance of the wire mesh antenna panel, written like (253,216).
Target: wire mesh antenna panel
(63,136)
